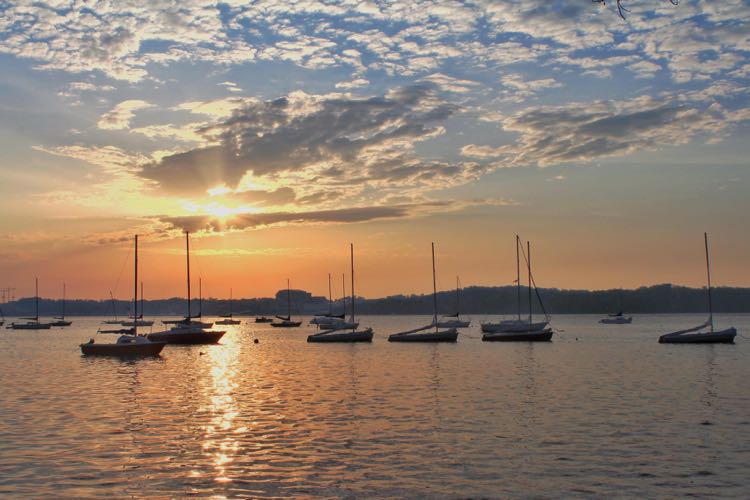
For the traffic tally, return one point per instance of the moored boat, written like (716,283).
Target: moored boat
(695,335)
(348,333)
(422,334)
(33,323)
(286,321)
(130,343)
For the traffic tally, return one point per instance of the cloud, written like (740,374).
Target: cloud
(119,117)
(327,137)
(249,221)
(551,135)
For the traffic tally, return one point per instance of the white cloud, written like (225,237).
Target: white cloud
(119,117)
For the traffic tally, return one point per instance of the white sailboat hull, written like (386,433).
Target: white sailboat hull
(514,326)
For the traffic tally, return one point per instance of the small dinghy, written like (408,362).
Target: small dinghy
(695,335)
(344,331)
(421,334)
(129,344)
(263,319)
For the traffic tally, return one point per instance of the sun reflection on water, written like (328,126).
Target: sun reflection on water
(219,441)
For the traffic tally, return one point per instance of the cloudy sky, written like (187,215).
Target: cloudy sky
(278,132)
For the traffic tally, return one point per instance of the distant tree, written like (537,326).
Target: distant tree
(621,8)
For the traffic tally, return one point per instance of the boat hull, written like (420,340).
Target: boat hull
(123,350)
(538,336)
(29,326)
(456,323)
(228,322)
(186,338)
(513,327)
(263,320)
(287,324)
(443,336)
(720,337)
(338,336)
(618,321)
(137,323)
(61,323)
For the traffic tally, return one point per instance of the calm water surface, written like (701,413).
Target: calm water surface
(602,410)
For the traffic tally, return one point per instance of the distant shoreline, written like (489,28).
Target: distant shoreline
(657,299)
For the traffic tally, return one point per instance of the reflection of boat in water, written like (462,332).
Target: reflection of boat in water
(616,319)
(228,319)
(455,320)
(695,335)
(336,333)
(286,321)
(33,322)
(187,330)
(129,344)
(421,334)
(517,325)
(533,332)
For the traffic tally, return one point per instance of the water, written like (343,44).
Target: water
(602,410)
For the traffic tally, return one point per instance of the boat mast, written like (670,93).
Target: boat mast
(330,297)
(518,277)
(288,301)
(458,304)
(141,315)
(114,308)
(528,261)
(434,290)
(187,256)
(708,273)
(200,297)
(36,297)
(135,290)
(343,290)
(351,252)
(63,304)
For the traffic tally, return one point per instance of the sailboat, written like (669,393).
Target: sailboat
(342,334)
(114,321)
(60,320)
(129,344)
(421,334)
(192,321)
(263,319)
(518,325)
(456,322)
(533,332)
(695,335)
(286,321)
(327,320)
(137,319)
(616,319)
(33,322)
(228,319)
(186,330)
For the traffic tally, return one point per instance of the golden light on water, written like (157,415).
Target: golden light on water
(219,441)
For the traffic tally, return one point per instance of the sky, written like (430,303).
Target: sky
(279,132)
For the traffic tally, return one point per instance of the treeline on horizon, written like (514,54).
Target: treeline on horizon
(664,298)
